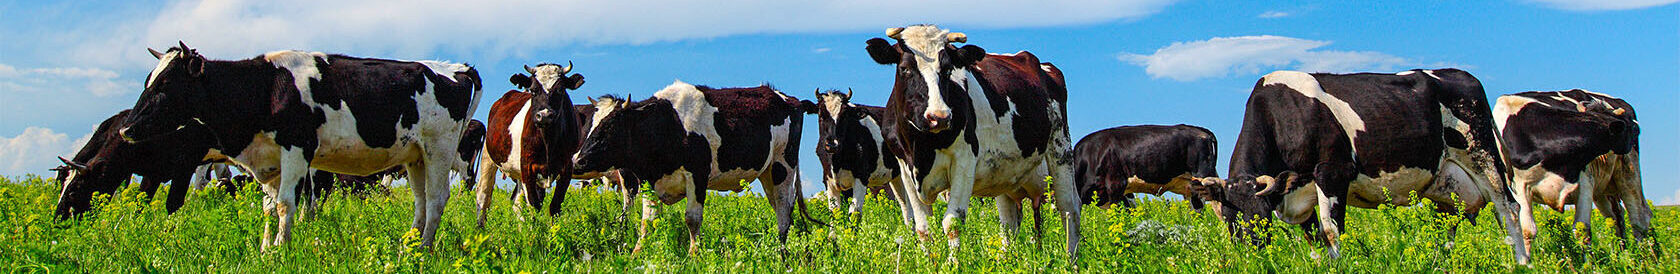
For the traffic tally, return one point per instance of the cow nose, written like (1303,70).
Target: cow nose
(937,120)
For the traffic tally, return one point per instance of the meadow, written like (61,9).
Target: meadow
(217,232)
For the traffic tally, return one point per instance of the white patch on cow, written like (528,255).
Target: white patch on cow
(1508,105)
(1404,73)
(1002,166)
(548,75)
(603,107)
(163,62)
(445,69)
(833,104)
(1298,206)
(1305,84)
(1431,74)
(694,113)
(1451,121)
(516,130)
(882,174)
(673,186)
(1388,187)
(303,69)
(926,42)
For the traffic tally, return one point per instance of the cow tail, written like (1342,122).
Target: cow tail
(798,187)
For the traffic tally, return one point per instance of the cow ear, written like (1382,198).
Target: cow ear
(575,81)
(196,66)
(520,80)
(883,52)
(808,106)
(968,55)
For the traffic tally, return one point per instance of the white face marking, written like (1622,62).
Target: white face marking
(1305,84)
(925,43)
(303,68)
(603,107)
(163,62)
(834,104)
(548,75)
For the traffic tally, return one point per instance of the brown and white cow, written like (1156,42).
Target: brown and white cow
(281,113)
(531,137)
(687,139)
(1574,147)
(976,124)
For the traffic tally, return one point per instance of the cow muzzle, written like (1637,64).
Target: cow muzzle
(937,120)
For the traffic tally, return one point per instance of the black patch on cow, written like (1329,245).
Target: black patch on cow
(1105,159)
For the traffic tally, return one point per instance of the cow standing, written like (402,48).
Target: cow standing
(1112,164)
(855,159)
(279,114)
(532,136)
(687,139)
(1327,141)
(1574,147)
(976,124)
(106,161)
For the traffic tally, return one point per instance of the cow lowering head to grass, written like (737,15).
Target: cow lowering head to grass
(1312,144)
(281,113)
(975,124)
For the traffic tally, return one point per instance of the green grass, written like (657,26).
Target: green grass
(219,233)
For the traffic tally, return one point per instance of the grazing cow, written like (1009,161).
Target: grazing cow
(106,162)
(853,155)
(1327,141)
(688,139)
(533,135)
(281,113)
(1111,164)
(976,124)
(1577,147)
(213,174)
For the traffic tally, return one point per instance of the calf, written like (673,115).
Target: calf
(1111,164)
(279,114)
(688,139)
(1574,147)
(1327,141)
(973,123)
(107,161)
(532,136)
(853,155)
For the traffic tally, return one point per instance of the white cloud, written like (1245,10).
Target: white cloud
(821,50)
(1671,200)
(1274,14)
(1602,5)
(501,28)
(35,150)
(1226,56)
(68,81)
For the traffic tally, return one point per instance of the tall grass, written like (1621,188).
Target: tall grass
(217,232)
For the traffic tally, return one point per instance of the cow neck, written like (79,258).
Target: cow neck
(237,103)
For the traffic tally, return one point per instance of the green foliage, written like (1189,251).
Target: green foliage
(217,232)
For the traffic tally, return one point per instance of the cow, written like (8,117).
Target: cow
(854,158)
(214,174)
(281,113)
(106,162)
(976,124)
(531,137)
(1111,164)
(1574,147)
(687,139)
(1326,141)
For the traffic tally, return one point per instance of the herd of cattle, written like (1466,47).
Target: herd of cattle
(959,122)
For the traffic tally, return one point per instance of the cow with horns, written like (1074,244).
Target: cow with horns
(281,113)
(976,124)
(531,137)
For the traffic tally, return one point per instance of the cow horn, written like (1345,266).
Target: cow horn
(956,37)
(591,100)
(183,45)
(72,164)
(817,93)
(848,94)
(893,32)
(1272,185)
(531,71)
(566,69)
(155,54)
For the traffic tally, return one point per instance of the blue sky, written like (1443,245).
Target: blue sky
(67,66)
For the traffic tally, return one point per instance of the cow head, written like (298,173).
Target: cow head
(1246,202)
(612,134)
(81,182)
(930,71)
(170,99)
(840,132)
(544,82)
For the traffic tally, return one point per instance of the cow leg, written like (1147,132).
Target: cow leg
(1129,200)
(1633,198)
(1611,207)
(201,175)
(1066,192)
(419,192)
(650,214)
(899,196)
(779,193)
(1584,204)
(484,188)
(956,209)
(177,191)
(149,185)
(294,168)
(436,177)
(858,192)
(1333,181)
(1009,217)
(696,192)
(627,189)
(534,188)
(561,186)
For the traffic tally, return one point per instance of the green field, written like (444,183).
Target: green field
(219,233)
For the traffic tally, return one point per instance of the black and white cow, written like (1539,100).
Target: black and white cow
(1327,141)
(976,124)
(854,157)
(1112,164)
(1574,147)
(106,162)
(281,113)
(533,134)
(688,139)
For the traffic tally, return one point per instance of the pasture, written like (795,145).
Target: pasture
(216,232)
